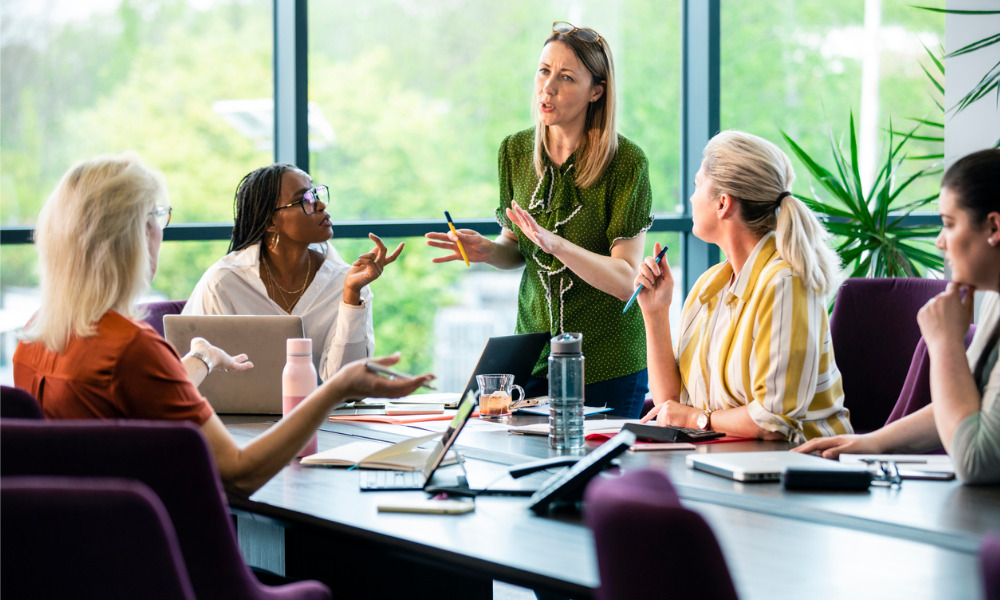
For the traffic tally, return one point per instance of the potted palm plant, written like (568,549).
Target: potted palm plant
(871,235)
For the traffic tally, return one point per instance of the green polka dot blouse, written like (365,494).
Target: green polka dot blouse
(551,297)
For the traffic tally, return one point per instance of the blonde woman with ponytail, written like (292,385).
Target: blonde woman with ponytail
(754,357)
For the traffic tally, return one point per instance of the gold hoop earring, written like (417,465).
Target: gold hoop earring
(274,242)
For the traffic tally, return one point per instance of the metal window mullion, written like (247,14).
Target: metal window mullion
(291,104)
(699,118)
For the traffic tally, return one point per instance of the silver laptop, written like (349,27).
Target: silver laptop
(759,466)
(261,337)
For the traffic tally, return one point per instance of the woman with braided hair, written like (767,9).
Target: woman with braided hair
(754,357)
(279,262)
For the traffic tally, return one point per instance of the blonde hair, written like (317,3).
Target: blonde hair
(759,176)
(92,246)
(600,131)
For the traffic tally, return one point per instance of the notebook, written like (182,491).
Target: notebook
(261,337)
(416,480)
(759,466)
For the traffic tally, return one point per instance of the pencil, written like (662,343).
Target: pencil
(628,304)
(451,225)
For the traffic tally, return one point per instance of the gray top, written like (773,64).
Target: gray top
(975,449)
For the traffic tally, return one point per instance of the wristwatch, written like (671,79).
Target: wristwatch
(705,420)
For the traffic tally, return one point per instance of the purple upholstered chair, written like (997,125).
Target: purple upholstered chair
(174,461)
(96,537)
(989,563)
(16,403)
(916,392)
(156,310)
(874,332)
(632,517)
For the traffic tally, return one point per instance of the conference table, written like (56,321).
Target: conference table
(915,541)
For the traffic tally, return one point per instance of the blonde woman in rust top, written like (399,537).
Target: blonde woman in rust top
(86,354)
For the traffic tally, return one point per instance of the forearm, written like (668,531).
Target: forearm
(505,253)
(954,394)
(738,423)
(612,275)
(664,374)
(914,433)
(245,470)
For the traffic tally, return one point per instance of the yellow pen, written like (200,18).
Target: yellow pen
(451,224)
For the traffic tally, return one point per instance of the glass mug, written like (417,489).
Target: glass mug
(495,402)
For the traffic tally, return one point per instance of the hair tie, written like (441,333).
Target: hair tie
(782,195)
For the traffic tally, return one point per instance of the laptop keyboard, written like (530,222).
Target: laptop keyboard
(379,480)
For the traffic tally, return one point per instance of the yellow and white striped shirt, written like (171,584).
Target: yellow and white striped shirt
(763,342)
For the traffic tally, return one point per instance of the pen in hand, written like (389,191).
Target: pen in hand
(635,294)
(374,367)
(451,225)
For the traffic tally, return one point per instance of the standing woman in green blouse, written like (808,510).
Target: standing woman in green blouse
(574,206)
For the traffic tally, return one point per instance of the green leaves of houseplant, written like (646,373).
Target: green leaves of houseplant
(870,235)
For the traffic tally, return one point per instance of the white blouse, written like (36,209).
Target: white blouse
(340,332)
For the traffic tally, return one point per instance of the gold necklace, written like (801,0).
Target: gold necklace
(296,295)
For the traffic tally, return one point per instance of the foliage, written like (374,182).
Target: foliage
(871,240)
(990,82)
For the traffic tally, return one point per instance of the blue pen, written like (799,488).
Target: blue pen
(635,294)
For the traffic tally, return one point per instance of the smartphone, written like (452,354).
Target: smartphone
(429,507)
(374,367)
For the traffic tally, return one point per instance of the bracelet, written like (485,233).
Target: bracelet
(202,358)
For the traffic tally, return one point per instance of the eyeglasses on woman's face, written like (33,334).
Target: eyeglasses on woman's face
(162,214)
(585,34)
(310,198)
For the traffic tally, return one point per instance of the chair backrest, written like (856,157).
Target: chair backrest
(16,403)
(172,458)
(106,538)
(630,517)
(874,332)
(156,310)
(916,392)
(989,563)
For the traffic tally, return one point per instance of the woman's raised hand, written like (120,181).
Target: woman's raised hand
(221,360)
(477,247)
(657,283)
(946,317)
(368,267)
(545,239)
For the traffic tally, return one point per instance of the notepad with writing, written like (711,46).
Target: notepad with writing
(402,456)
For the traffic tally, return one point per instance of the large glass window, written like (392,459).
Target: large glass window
(804,67)
(409,102)
(157,77)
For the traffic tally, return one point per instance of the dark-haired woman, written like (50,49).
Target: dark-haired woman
(964,413)
(279,262)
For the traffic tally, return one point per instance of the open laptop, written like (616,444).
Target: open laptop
(381,481)
(261,337)
(514,354)
(759,466)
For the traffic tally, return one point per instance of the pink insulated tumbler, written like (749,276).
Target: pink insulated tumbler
(298,380)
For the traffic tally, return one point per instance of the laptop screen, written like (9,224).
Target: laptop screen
(450,435)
